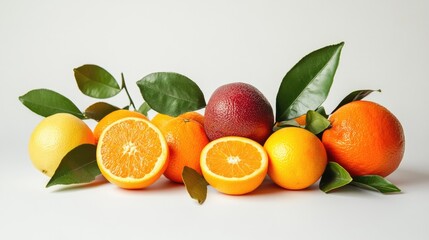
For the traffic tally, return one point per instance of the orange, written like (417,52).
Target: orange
(297,158)
(132,153)
(54,137)
(112,117)
(186,139)
(365,139)
(301,120)
(234,165)
(160,119)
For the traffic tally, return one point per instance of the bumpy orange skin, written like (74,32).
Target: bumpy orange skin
(365,139)
(186,139)
(238,109)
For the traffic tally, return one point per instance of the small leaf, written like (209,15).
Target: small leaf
(306,86)
(99,110)
(321,110)
(355,96)
(375,183)
(315,122)
(195,184)
(335,176)
(287,123)
(46,102)
(144,109)
(171,93)
(96,82)
(77,166)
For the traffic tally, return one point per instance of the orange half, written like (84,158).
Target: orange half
(132,153)
(234,165)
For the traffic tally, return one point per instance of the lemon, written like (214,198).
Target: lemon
(54,137)
(297,158)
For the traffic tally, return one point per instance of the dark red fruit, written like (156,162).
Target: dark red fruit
(238,109)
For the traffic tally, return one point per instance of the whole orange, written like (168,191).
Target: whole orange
(160,119)
(238,109)
(112,117)
(186,139)
(365,138)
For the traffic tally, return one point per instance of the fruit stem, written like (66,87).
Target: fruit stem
(126,90)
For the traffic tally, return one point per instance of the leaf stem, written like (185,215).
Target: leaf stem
(126,90)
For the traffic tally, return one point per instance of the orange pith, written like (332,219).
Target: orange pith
(234,165)
(226,159)
(132,153)
(112,117)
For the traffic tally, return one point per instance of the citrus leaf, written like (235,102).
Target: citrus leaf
(375,183)
(78,166)
(195,184)
(355,96)
(316,122)
(144,109)
(321,110)
(46,102)
(99,110)
(334,177)
(96,82)
(287,123)
(171,93)
(306,86)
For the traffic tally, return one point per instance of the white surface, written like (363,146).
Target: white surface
(213,43)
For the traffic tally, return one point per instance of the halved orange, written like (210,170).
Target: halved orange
(234,165)
(132,153)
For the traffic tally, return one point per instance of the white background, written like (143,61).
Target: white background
(213,43)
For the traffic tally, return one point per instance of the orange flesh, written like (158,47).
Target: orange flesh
(130,149)
(233,159)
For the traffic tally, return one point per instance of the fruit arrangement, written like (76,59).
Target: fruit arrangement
(233,146)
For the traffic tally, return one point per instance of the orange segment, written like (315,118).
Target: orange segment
(132,153)
(234,165)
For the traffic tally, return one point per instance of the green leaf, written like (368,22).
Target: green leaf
(306,86)
(334,177)
(46,102)
(99,110)
(316,122)
(171,93)
(195,184)
(355,96)
(287,123)
(96,82)
(375,183)
(321,110)
(77,166)
(144,109)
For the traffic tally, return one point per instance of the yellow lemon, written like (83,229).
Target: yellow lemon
(297,158)
(54,137)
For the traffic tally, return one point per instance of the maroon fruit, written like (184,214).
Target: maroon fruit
(238,109)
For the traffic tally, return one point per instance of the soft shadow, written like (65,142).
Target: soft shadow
(269,187)
(99,180)
(409,177)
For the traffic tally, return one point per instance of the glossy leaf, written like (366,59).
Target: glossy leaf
(287,123)
(355,96)
(375,183)
(78,166)
(334,177)
(144,109)
(195,184)
(171,93)
(315,122)
(306,86)
(321,110)
(96,82)
(46,102)
(99,110)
